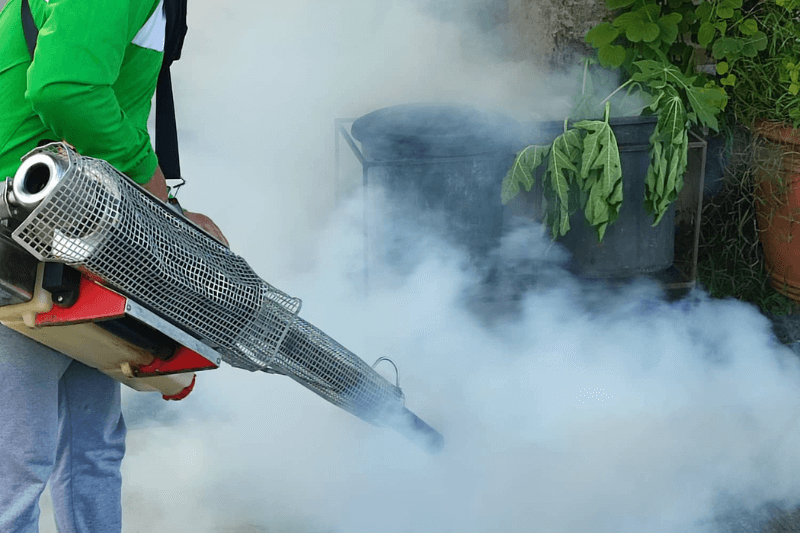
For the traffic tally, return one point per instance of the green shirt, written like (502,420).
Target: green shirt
(88,83)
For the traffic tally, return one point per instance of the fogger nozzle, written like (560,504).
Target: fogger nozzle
(34,180)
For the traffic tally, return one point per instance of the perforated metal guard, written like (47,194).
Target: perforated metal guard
(98,220)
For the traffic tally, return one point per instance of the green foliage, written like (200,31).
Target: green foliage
(583,171)
(768,67)
(601,174)
(754,46)
(668,157)
(562,171)
(659,44)
(521,172)
(681,33)
(587,155)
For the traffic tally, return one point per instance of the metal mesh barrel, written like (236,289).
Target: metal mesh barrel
(98,220)
(326,367)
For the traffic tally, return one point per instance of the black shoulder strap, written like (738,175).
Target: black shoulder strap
(29,27)
(166,127)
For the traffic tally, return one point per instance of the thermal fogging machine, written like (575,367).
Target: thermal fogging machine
(97,268)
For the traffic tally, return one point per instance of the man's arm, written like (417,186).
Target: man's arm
(157,185)
(78,57)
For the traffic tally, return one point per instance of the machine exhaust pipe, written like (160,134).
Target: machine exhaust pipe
(34,180)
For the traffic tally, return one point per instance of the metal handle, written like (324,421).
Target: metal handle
(396,371)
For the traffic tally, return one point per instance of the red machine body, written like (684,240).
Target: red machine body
(114,334)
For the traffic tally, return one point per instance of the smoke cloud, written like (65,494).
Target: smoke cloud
(571,407)
(586,409)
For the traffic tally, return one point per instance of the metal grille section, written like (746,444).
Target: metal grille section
(100,221)
(318,362)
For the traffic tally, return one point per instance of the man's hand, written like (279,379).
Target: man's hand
(208,225)
(158,187)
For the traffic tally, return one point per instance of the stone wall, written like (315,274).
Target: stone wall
(551,32)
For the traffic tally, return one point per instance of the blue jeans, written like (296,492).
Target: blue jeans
(60,421)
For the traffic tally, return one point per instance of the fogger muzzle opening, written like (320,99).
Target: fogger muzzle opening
(35,179)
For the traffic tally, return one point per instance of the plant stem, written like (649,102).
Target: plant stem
(585,74)
(618,89)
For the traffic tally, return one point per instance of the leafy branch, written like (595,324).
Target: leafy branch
(601,173)
(583,171)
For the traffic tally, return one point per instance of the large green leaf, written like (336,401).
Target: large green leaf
(617,4)
(601,170)
(651,12)
(727,47)
(521,172)
(611,56)
(658,73)
(706,103)
(754,44)
(725,11)
(562,166)
(706,34)
(669,27)
(562,170)
(642,30)
(670,143)
(626,19)
(672,117)
(602,35)
(703,11)
(748,27)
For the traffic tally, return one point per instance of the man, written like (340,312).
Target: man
(90,84)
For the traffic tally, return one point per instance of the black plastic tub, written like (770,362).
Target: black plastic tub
(631,246)
(443,159)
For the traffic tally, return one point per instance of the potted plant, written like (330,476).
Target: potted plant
(766,99)
(658,46)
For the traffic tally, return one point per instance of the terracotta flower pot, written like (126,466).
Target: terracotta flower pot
(778,204)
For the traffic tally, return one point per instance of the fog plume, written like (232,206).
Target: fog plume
(573,406)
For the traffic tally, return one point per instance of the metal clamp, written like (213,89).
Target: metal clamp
(6,210)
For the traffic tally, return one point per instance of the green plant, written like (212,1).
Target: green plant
(768,83)
(748,49)
(655,43)
(731,260)
(684,33)
(584,162)
(586,156)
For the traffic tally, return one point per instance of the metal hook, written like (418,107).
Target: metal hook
(173,189)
